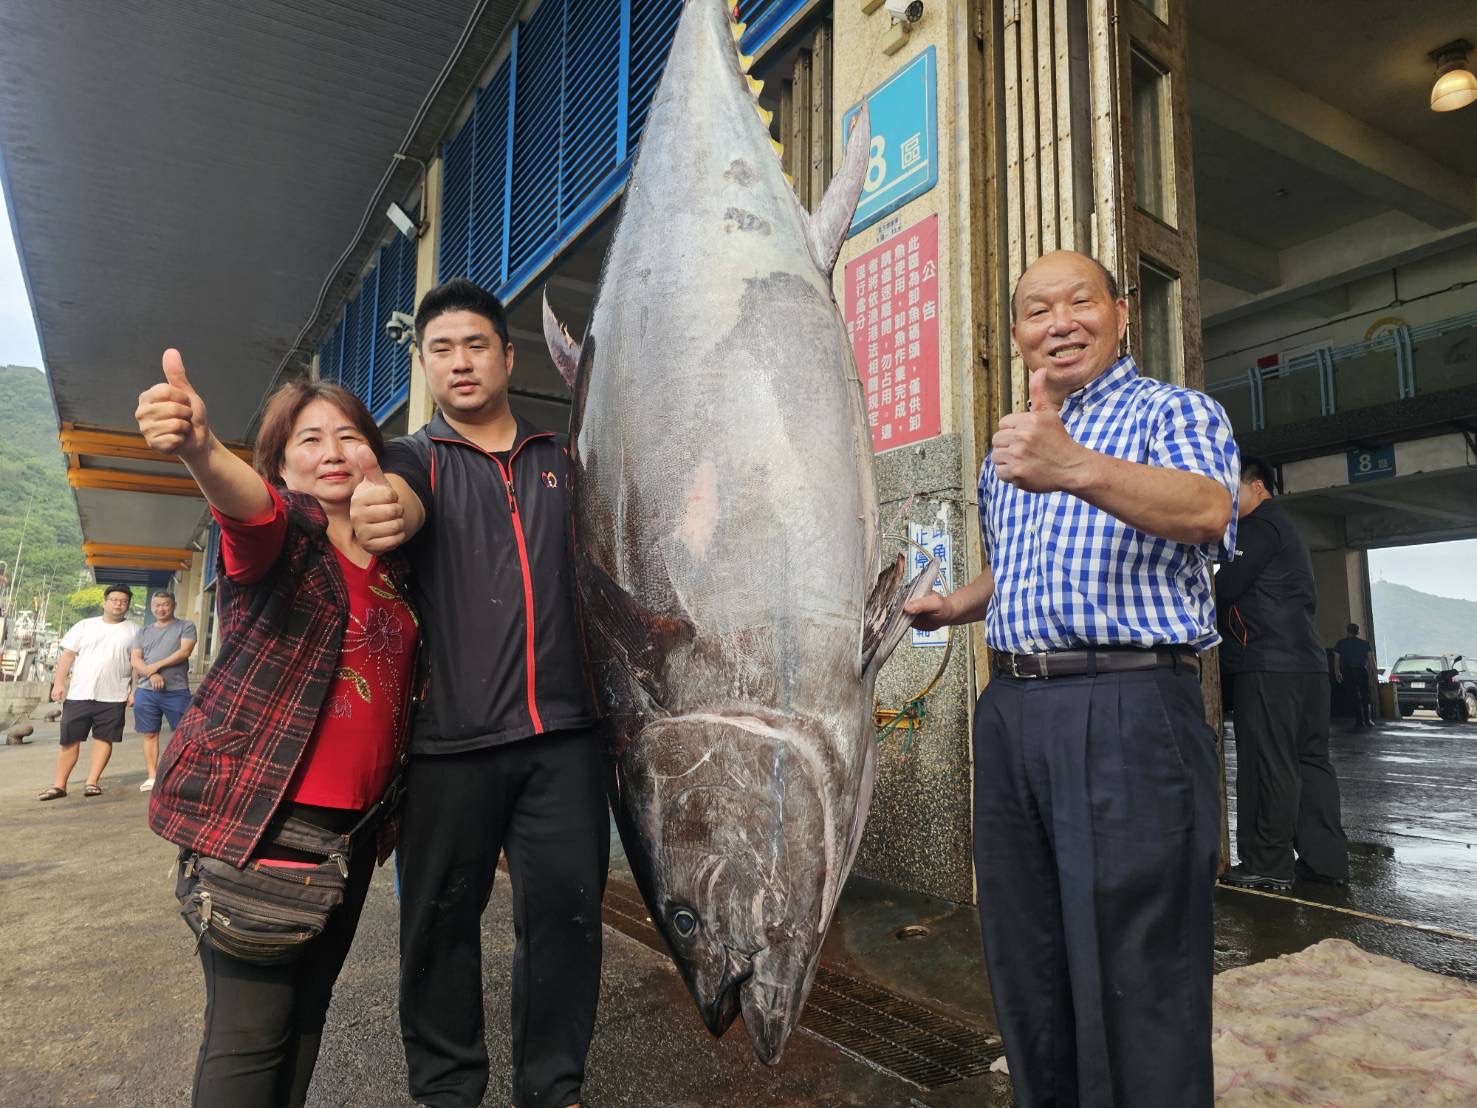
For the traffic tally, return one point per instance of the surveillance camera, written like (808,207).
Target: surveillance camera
(403,223)
(905,11)
(400,327)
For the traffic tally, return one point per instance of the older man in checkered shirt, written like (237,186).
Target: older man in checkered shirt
(1102,510)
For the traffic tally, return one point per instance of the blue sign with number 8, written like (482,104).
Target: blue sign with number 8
(903,161)
(1371,464)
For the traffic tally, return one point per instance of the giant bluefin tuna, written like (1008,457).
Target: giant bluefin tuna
(726,540)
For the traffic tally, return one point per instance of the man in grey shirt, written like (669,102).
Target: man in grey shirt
(161,663)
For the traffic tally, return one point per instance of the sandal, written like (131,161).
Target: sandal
(92,790)
(52,793)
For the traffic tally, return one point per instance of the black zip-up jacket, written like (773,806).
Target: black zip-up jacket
(494,585)
(1266,600)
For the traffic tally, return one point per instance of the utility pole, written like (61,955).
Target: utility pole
(15,574)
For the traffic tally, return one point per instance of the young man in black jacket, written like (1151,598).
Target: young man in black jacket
(505,756)
(1287,797)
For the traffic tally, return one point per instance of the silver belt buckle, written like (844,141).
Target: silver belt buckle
(1015,670)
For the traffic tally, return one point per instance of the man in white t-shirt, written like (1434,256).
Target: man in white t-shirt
(96,654)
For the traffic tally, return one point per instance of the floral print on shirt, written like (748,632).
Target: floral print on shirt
(376,644)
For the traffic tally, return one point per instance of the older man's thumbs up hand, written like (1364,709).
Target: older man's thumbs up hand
(1032,449)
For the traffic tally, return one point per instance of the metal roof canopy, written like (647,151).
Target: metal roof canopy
(204,174)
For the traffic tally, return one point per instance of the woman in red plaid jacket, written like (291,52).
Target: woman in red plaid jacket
(302,713)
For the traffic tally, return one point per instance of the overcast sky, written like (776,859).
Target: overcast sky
(18,344)
(1439,568)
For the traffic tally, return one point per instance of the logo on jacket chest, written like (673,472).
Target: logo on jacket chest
(549,478)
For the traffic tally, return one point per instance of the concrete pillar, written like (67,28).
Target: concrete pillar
(186,598)
(190,603)
(1342,578)
(918,833)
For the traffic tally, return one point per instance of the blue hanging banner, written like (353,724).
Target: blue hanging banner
(904,156)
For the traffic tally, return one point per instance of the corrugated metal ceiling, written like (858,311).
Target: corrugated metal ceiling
(190,173)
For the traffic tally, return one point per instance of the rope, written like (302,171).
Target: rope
(912,716)
(1427,927)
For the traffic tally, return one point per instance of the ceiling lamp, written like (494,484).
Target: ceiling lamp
(1455,86)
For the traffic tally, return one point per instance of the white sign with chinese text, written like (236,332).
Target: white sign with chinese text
(939,543)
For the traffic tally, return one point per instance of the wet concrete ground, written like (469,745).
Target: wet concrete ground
(1409,791)
(100,991)
(100,994)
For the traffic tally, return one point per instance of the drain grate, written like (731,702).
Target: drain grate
(880,1027)
(907,1039)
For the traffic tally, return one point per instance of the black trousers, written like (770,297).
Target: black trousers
(263,1024)
(1287,796)
(1096,841)
(1356,687)
(542,802)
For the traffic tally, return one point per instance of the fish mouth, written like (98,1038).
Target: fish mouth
(720,1010)
(771,1012)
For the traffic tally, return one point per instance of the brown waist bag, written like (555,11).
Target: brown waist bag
(266,913)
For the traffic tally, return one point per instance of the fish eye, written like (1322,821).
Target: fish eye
(685,921)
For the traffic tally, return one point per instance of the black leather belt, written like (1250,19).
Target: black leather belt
(1077,663)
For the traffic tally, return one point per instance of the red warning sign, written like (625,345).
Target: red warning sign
(892,308)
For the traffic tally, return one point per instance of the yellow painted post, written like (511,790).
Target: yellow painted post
(421,406)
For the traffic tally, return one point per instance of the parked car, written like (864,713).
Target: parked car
(1444,683)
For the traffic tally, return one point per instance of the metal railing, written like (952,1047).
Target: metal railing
(1397,365)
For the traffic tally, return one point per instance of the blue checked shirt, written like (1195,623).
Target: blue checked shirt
(1068,575)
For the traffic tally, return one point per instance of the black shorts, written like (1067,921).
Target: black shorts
(104,718)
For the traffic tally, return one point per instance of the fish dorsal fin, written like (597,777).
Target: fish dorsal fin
(638,638)
(831,221)
(885,620)
(562,347)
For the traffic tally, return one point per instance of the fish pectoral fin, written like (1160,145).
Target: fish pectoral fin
(885,619)
(562,347)
(831,221)
(638,637)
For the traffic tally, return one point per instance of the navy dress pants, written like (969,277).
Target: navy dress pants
(1096,842)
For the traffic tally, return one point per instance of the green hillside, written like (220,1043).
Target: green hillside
(1408,621)
(33,471)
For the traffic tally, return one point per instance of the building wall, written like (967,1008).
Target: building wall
(918,833)
(1424,291)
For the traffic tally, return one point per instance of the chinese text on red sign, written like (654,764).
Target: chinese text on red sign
(892,305)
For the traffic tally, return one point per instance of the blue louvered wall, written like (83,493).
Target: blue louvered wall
(550,139)
(357,353)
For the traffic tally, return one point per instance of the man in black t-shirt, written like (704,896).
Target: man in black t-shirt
(505,755)
(1355,663)
(1287,796)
